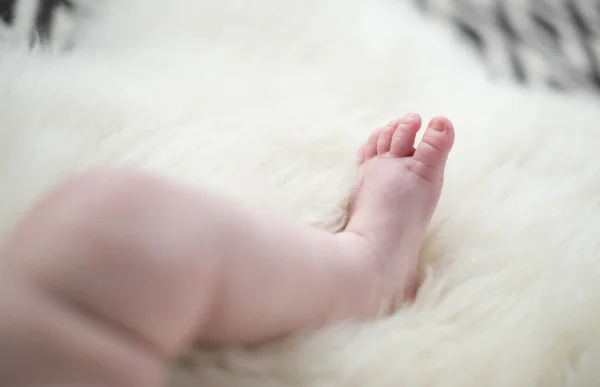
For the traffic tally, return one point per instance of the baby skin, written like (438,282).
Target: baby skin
(116,272)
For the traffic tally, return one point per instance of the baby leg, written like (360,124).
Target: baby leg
(155,266)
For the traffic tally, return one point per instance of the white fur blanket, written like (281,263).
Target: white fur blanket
(267,100)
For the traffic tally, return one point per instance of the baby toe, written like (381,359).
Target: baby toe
(385,138)
(403,138)
(371,145)
(431,154)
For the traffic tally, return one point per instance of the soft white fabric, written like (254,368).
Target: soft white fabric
(268,100)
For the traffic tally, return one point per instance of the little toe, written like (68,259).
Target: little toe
(403,138)
(385,138)
(431,154)
(360,155)
(371,145)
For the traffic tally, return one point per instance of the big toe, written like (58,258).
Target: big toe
(431,154)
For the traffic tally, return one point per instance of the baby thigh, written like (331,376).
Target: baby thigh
(44,341)
(81,301)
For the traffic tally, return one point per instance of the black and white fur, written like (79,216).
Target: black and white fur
(41,22)
(544,42)
(555,43)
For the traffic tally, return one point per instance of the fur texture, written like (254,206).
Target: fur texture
(267,100)
(543,42)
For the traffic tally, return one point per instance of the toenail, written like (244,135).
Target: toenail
(412,116)
(439,125)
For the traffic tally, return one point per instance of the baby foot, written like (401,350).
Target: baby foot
(398,192)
